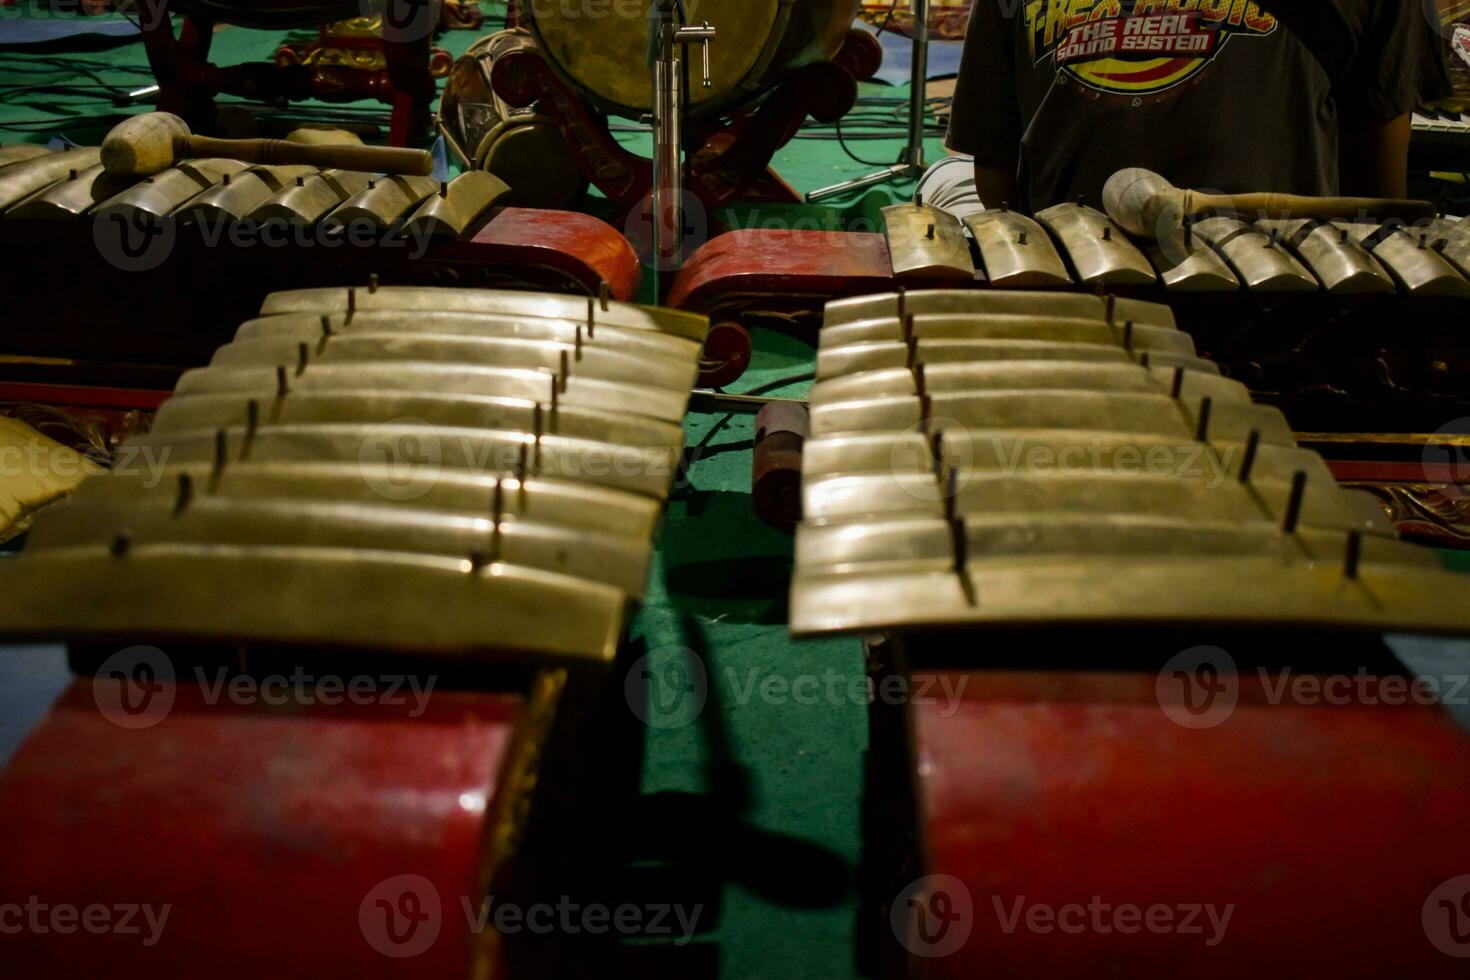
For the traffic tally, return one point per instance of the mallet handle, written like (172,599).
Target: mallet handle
(1315,208)
(370,159)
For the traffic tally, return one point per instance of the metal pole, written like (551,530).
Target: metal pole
(911,165)
(668,169)
(666,202)
(919,86)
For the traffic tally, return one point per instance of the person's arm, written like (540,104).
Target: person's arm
(1375,158)
(997,185)
(985,119)
(1401,64)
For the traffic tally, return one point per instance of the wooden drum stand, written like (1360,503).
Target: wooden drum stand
(730,156)
(188,82)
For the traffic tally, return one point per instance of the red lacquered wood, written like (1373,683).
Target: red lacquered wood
(762,261)
(213,288)
(1392,471)
(188,82)
(1326,827)
(586,249)
(730,155)
(122,399)
(265,830)
(727,353)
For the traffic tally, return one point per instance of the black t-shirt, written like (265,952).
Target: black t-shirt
(1220,95)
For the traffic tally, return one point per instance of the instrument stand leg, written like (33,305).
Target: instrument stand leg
(732,162)
(178,68)
(188,82)
(523,77)
(911,166)
(413,88)
(724,167)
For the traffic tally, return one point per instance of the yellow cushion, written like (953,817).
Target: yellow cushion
(34,471)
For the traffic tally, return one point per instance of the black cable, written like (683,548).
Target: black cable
(888,19)
(19,61)
(62,87)
(866,137)
(848,150)
(85,72)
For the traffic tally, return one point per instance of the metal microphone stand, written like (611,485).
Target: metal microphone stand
(911,165)
(669,41)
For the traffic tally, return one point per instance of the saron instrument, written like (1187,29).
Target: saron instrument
(998,554)
(354,518)
(223,233)
(1256,295)
(1072,245)
(1105,572)
(297,562)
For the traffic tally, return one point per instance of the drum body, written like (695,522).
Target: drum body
(602,51)
(523,147)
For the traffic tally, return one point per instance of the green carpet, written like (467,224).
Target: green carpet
(771,762)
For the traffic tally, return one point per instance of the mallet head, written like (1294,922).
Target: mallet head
(145,145)
(1143,203)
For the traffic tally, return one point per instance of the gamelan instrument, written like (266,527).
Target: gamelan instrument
(522,146)
(402,76)
(217,234)
(774,63)
(1052,518)
(456,487)
(155,141)
(1300,309)
(1350,327)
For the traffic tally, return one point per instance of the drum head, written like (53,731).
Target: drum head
(602,47)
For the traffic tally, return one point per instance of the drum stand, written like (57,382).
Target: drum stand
(911,165)
(188,82)
(729,157)
(669,101)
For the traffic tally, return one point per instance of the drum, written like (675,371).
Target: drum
(522,147)
(602,51)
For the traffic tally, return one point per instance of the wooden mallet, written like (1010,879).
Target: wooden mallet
(1147,205)
(153,142)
